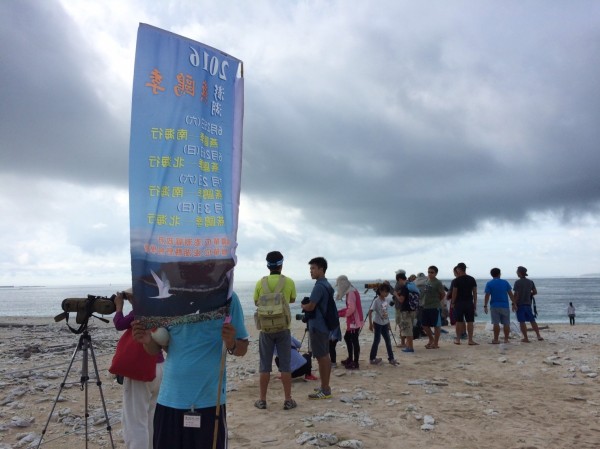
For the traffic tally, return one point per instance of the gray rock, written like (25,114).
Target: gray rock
(351,444)
(18,421)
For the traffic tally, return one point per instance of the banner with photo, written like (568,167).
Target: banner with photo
(184,177)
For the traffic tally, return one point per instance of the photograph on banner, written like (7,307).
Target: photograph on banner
(184,177)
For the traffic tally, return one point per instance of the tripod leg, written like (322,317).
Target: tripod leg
(99,383)
(62,385)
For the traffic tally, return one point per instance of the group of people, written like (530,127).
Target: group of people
(190,409)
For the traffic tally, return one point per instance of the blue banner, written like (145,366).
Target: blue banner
(184,176)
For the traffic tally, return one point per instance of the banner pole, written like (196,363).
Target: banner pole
(218,405)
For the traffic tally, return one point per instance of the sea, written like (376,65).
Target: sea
(554,295)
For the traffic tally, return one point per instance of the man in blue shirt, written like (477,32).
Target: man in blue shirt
(318,331)
(499,290)
(187,402)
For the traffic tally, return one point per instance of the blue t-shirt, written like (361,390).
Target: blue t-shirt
(191,369)
(498,290)
(320,295)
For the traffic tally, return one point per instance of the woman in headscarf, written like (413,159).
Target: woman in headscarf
(354,319)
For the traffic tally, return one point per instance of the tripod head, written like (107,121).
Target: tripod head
(85,308)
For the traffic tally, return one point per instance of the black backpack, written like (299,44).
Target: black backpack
(332,320)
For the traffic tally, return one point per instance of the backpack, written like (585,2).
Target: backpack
(413,300)
(332,320)
(273,311)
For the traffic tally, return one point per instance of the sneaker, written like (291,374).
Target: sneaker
(346,362)
(376,361)
(352,365)
(289,404)
(310,377)
(408,350)
(333,365)
(260,404)
(394,362)
(321,394)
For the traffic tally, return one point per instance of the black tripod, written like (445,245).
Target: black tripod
(84,344)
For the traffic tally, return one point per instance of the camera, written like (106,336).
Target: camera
(85,307)
(305,316)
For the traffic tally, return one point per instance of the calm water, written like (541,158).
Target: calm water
(553,298)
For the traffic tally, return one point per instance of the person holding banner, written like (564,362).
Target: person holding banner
(194,377)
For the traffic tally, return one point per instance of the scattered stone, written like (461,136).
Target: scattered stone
(317,439)
(502,359)
(553,360)
(491,412)
(428,423)
(351,444)
(473,383)
(18,421)
(418,382)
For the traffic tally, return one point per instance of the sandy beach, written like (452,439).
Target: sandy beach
(539,395)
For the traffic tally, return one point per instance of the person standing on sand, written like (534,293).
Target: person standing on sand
(499,291)
(317,328)
(139,397)
(282,340)
(406,313)
(524,289)
(571,313)
(433,292)
(464,300)
(354,320)
(379,323)
(191,378)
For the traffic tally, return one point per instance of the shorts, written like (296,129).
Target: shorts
(169,431)
(319,343)
(500,315)
(406,323)
(524,313)
(464,311)
(398,318)
(267,343)
(431,318)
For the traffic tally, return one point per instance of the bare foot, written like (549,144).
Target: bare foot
(524,340)
(540,339)
(456,341)
(473,343)
(494,342)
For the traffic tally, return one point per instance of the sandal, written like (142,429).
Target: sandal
(289,404)
(260,404)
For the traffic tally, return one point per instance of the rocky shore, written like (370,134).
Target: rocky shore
(539,395)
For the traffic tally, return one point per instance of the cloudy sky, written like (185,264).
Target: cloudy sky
(380,135)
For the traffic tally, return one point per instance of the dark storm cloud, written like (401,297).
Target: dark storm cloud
(55,122)
(397,120)
(489,116)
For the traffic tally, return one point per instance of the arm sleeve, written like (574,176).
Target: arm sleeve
(123,322)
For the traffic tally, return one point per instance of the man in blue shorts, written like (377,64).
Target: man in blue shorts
(432,294)
(318,332)
(187,406)
(499,291)
(524,289)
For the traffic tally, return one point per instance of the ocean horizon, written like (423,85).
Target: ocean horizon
(554,295)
